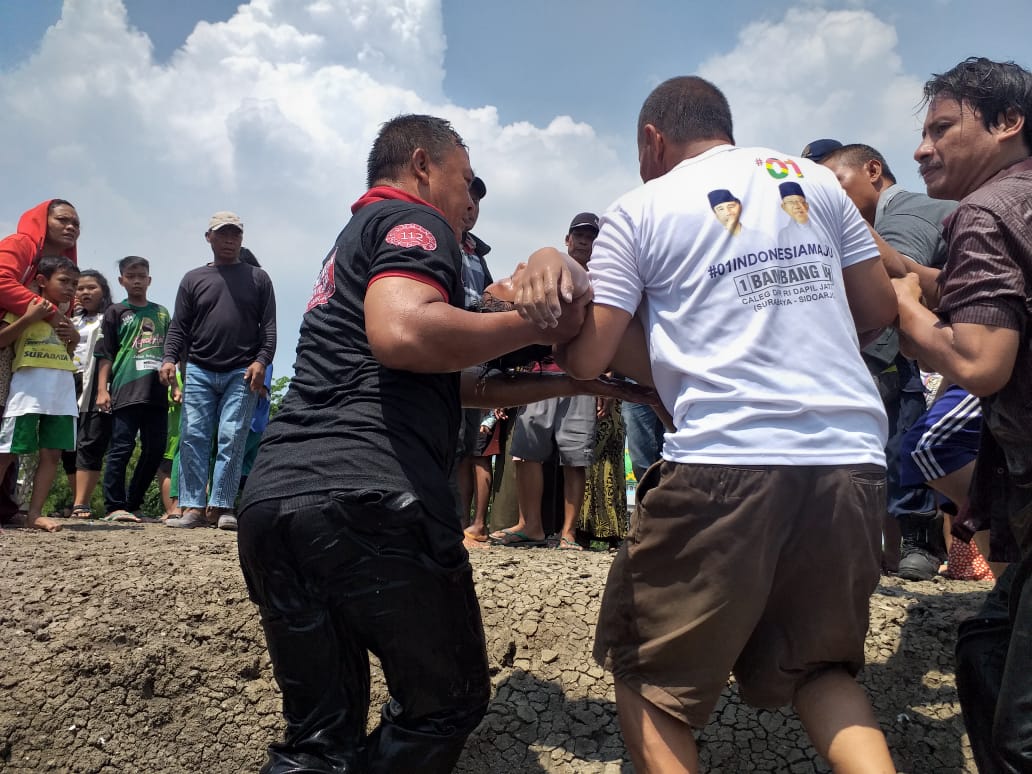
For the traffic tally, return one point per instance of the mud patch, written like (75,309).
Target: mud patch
(135,648)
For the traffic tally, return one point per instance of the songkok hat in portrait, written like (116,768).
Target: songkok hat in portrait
(791,189)
(221,219)
(720,196)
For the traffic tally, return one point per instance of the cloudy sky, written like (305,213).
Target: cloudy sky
(149,115)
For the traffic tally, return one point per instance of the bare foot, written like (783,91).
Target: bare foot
(471,543)
(44,523)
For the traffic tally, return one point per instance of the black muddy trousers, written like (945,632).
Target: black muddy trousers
(335,579)
(994,675)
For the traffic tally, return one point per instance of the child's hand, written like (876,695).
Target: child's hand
(38,309)
(177,395)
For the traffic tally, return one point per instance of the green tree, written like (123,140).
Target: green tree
(279,389)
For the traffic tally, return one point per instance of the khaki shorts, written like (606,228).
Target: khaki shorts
(762,572)
(571,421)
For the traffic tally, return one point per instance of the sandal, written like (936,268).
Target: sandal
(515,539)
(565,544)
(81,512)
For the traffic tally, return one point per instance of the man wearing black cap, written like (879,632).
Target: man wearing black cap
(570,421)
(581,236)
(476,276)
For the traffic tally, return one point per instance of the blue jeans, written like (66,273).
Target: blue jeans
(213,403)
(644,436)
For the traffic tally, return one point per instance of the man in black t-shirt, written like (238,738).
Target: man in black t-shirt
(340,562)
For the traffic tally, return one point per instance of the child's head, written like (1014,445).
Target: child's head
(57,276)
(134,276)
(93,292)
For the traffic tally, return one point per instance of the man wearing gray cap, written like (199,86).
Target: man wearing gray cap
(224,328)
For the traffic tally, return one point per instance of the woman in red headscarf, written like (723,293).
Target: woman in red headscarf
(49,228)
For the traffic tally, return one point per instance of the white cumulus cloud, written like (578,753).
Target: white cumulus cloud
(269,114)
(821,73)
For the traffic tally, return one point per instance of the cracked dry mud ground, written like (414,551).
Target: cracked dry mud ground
(135,649)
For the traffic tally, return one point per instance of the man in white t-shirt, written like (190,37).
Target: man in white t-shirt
(755,545)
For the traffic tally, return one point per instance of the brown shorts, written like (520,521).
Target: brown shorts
(765,572)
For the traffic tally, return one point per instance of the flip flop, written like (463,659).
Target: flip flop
(516,539)
(475,538)
(568,545)
(122,516)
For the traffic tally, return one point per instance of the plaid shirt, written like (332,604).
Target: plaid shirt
(988,280)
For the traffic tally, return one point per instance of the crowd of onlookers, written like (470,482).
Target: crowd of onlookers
(98,386)
(101,386)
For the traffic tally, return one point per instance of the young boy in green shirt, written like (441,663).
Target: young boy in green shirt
(41,407)
(129,355)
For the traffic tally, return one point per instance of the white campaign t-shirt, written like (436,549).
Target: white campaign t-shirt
(753,348)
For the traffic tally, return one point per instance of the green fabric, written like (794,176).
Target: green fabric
(33,432)
(141,345)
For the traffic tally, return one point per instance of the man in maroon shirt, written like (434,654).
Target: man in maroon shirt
(976,146)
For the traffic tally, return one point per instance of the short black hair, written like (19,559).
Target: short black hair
(130,261)
(105,288)
(49,264)
(399,138)
(989,87)
(58,203)
(856,155)
(687,108)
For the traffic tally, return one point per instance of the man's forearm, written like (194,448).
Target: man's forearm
(979,369)
(439,338)
(513,389)
(898,265)
(523,388)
